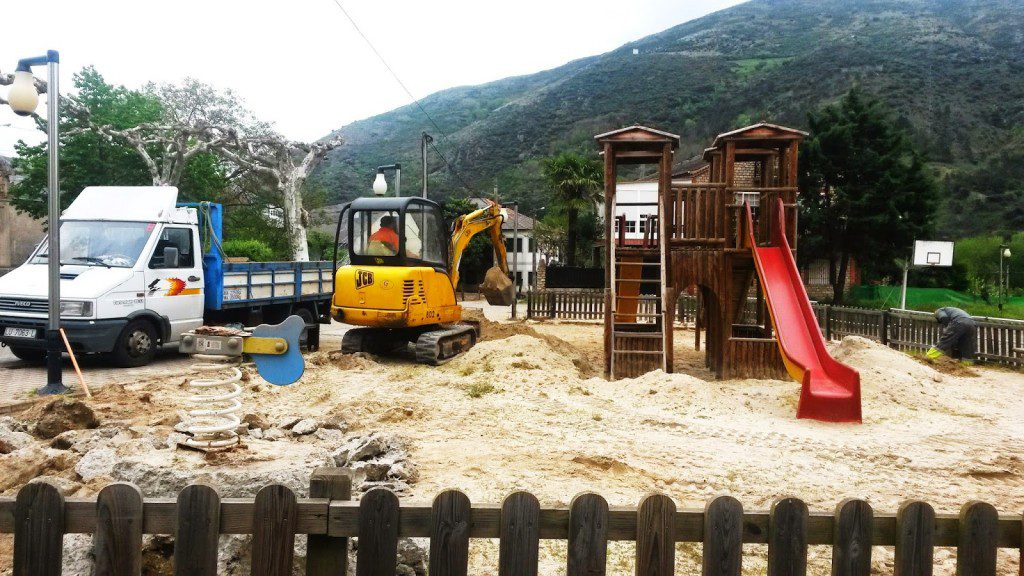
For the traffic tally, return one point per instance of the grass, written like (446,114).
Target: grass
(479,389)
(931,299)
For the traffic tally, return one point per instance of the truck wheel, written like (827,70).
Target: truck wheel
(310,337)
(31,355)
(136,346)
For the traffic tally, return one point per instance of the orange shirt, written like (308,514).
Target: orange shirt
(386,236)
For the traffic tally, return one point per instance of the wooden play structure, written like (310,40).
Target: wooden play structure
(728,234)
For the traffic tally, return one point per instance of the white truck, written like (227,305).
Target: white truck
(138,270)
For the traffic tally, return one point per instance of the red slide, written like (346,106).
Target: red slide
(830,390)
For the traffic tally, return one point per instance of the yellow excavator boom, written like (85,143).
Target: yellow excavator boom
(466,227)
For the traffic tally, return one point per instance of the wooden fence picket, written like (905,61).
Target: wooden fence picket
(275,517)
(915,539)
(451,516)
(117,541)
(723,537)
(197,531)
(588,536)
(519,533)
(656,536)
(378,533)
(787,538)
(851,548)
(978,540)
(38,530)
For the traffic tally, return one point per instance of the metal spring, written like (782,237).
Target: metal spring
(212,422)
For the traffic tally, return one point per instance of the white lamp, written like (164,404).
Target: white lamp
(23,96)
(380,185)
(1006,253)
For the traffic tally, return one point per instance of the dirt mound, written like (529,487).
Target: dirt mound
(60,415)
(357,361)
(948,365)
(517,359)
(490,331)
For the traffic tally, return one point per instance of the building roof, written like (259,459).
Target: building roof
(639,133)
(761,129)
(525,222)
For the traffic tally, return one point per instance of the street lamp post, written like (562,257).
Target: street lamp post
(424,141)
(380,185)
(1004,273)
(24,98)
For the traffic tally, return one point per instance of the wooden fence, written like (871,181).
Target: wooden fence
(565,304)
(119,516)
(999,339)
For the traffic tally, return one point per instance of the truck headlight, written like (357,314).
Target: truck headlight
(75,308)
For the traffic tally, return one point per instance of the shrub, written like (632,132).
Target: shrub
(254,250)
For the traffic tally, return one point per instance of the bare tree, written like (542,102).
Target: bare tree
(288,165)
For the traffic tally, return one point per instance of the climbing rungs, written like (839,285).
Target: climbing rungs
(644,298)
(637,263)
(638,281)
(621,334)
(642,352)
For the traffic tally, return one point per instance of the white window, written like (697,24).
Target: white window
(630,226)
(753,198)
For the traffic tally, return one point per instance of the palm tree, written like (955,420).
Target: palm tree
(576,184)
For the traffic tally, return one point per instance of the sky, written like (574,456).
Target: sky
(300,63)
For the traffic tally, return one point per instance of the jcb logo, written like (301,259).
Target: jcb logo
(364,278)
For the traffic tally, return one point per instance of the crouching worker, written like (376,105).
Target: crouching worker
(958,337)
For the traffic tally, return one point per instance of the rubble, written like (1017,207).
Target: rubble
(96,463)
(305,426)
(59,415)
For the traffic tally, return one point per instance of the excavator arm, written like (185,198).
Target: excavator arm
(496,288)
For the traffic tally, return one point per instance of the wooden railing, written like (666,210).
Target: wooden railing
(712,215)
(999,339)
(119,516)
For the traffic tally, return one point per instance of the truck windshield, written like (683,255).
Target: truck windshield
(110,244)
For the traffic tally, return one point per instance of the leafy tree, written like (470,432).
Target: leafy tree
(87,158)
(575,182)
(865,192)
(989,197)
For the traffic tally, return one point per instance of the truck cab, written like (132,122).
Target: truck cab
(131,277)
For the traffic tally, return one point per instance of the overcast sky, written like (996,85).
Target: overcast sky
(301,65)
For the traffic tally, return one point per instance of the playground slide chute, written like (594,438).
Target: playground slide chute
(830,391)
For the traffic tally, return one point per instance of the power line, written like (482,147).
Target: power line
(409,93)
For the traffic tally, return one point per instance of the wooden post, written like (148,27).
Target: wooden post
(787,538)
(667,306)
(915,539)
(723,537)
(609,277)
(378,534)
(519,534)
(851,546)
(197,531)
(328,555)
(274,519)
(588,536)
(450,519)
(884,327)
(117,541)
(38,530)
(978,539)
(656,536)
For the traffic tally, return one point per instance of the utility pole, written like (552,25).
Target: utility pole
(425,139)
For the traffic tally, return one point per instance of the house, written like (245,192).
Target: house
(19,233)
(637,201)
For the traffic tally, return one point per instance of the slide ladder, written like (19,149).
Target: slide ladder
(830,390)
(638,334)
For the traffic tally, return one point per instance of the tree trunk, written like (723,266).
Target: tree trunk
(839,283)
(294,227)
(570,242)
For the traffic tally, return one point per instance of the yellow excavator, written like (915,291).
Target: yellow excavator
(403,272)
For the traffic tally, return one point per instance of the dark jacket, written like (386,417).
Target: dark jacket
(948,314)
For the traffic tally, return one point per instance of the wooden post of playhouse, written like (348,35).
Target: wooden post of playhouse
(667,305)
(609,278)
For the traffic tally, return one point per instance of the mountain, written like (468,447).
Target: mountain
(952,71)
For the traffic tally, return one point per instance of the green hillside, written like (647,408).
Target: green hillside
(951,70)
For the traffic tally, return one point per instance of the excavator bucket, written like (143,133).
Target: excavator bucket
(497,288)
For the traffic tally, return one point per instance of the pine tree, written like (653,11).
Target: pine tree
(865,192)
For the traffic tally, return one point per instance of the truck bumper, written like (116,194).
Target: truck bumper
(85,335)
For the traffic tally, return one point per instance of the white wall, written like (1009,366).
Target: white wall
(524,258)
(635,193)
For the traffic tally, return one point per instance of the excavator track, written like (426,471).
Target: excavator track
(436,347)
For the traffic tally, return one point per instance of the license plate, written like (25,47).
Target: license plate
(20,332)
(204,345)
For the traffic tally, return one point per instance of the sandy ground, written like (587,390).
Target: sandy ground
(527,411)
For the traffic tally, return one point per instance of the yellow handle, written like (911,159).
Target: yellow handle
(257,345)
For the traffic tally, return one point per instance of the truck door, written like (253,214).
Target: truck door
(174,279)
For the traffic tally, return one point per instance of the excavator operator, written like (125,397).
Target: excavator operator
(384,242)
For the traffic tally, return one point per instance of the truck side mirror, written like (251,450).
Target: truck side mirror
(170,257)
